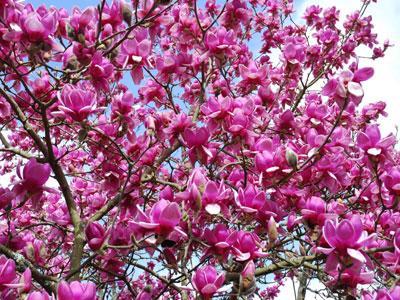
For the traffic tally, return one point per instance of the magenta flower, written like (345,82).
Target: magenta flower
(217,238)
(220,42)
(249,270)
(348,82)
(265,162)
(250,200)
(4,109)
(294,51)
(101,71)
(163,218)
(34,27)
(370,141)
(143,295)
(33,178)
(239,122)
(213,198)
(197,140)
(217,108)
(39,28)
(392,259)
(35,251)
(76,290)
(351,276)
(95,235)
(346,239)
(392,181)
(38,296)
(246,245)
(135,52)
(7,272)
(6,196)
(207,281)
(314,211)
(252,74)
(77,103)
(383,294)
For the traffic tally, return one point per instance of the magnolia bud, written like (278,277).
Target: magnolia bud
(302,250)
(195,194)
(72,63)
(82,134)
(70,32)
(148,288)
(291,158)
(272,229)
(81,38)
(127,14)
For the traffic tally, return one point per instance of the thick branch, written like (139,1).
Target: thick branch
(47,282)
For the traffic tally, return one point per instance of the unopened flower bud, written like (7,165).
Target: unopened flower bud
(291,158)
(127,14)
(272,229)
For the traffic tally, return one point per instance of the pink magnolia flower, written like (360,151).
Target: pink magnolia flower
(101,71)
(246,245)
(351,276)
(213,198)
(383,294)
(95,235)
(207,281)
(346,239)
(38,296)
(348,82)
(81,20)
(217,108)
(76,290)
(77,103)
(249,270)
(217,238)
(239,123)
(34,27)
(35,251)
(372,143)
(392,181)
(221,42)
(163,218)
(7,272)
(314,211)
(5,109)
(266,95)
(250,200)
(294,51)
(197,140)
(33,178)
(5,197)
(266,161)
(392,259)
(144,295)
(135,52)
(252,74)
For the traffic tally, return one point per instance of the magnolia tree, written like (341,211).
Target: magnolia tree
(150,151)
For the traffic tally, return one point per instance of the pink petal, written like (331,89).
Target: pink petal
(355,89)
(356,255)
(213,208)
